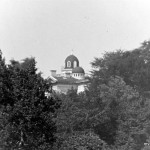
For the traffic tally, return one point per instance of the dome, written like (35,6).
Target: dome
(72,60)
(78,70)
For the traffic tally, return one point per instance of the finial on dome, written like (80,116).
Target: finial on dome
(72,52)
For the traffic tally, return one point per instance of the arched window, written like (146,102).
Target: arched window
(68,64)
(74,64)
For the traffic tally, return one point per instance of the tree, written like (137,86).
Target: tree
(85,140)
(133,66)
(73,127)
(127,105)
(30,114)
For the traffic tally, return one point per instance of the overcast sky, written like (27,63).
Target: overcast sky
(50,29)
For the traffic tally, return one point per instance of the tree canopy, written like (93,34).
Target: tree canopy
(27,111)
(112,114)
(133,66)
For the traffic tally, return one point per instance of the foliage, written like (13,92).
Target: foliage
(112,114)
(72,127)
(29,113)
(133,66)
(115,107)
(83,141)
(115,115)
(127,103)
(147,145)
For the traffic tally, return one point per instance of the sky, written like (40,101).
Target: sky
(50,30)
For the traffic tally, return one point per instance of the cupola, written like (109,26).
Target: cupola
(71,62)
(78,73)
(78,70)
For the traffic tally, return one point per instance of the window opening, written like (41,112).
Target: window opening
(68,64)
(75,64)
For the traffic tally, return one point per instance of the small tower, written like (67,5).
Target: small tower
(71,62)
(78,73)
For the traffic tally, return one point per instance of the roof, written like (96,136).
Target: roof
(83,81)
(66,80)
(72,58)
(78,70)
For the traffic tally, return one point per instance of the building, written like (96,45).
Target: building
(72,77)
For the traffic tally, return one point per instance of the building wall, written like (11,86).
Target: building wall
(78,76)
(81,88)
(63,88)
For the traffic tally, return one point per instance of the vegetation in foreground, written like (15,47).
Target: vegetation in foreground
(113,114)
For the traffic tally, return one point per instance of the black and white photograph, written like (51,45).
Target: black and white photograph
(74,74)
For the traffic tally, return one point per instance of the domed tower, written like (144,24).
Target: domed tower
(71,62)
(78,73)
(72,77)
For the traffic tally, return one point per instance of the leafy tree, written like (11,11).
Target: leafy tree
(106,114)
(115,107)
(147,145)
(127,105)
(133,66)
(30,114)
(73,130)
(85,140)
